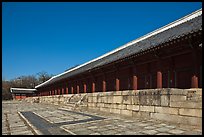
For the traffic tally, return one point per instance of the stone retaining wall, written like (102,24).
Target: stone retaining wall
(173,105)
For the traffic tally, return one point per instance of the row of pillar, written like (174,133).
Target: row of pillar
(194,80)
(194,84)
(93,89)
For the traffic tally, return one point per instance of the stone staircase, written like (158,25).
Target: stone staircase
(75,102)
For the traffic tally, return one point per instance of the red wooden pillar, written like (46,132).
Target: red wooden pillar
(117,81)
(93,84)
(58,91)
(54,91)
(159,79)
(171,82)
(72,89)
(77,87)
(134,78)
(84,86)
(159,75)
(194,78)
(67,89)
(194,81)
(62,90)
(104,83)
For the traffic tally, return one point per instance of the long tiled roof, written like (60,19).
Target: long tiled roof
(22,90)
(188,24)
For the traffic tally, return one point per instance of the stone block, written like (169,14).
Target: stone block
(90,99)
(177,119)
(135,92)
(190,112)
(122,106)
(186,104)
(117,99)
(156,101)
(104,109)
(147,108)
(102,99)
(165,100)
(109,93)
(197,91)
(135,100)
(105,99)
(129,107)
(61,99)
(100,105)
(109,99)
(94,99)
(166,110)
(135,107)
(177,98)
(126,112)
(115,105)
(114,110)
(91,104)
(128,92)
(107,105)
(164,91)
(94,94)
(117,93)
(127,99)
(139,114)
(194,95)
(99,98)
(175,91)
(149,98)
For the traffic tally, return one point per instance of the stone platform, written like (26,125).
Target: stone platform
(24,118)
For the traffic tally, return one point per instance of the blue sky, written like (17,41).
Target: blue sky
(51,36)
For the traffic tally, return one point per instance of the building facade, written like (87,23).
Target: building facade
(21,93)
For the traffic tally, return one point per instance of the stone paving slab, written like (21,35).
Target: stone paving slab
(61,121)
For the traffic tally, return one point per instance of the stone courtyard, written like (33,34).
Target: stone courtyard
(24,118)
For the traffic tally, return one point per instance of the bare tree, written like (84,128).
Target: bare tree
(6,94)
(43,76)
(29,81)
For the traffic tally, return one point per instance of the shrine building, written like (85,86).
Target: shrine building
(21,93)
(169,57)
